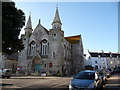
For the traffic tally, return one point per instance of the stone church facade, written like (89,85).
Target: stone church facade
(48,50)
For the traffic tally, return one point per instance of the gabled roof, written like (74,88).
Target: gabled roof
(45,30)
(39,25)
(73,39)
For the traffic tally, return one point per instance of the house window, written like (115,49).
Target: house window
(50,65)
(89,57)
(95,62)
(96,67)
(54,35)
(98,56)
(45,65)
(13,67)
(117,56)
(111,62)
(54,55)
(103,62)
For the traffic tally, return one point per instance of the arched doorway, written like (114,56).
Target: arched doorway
(36,65)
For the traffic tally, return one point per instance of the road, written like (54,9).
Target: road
(113,82)
(36,82)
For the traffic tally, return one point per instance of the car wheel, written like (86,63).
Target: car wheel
(104,82)
(8,77)
(3,76)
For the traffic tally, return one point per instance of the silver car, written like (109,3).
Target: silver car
(86,80)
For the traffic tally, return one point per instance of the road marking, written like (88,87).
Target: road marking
(59,85)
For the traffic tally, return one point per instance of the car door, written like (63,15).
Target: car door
(98,80)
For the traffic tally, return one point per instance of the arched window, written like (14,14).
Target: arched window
(32,48)
(44,47)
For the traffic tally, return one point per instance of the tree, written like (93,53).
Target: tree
(13,20)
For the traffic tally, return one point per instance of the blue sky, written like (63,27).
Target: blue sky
(97,22)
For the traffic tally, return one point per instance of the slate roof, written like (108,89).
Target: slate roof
(96,54)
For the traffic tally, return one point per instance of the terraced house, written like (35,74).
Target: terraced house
(48,50)
(101,60)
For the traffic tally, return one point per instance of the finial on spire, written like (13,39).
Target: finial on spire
(30,14)
(57,6)
(39,21)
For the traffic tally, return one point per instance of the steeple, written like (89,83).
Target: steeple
(28,29)
(29,25)
(56,22)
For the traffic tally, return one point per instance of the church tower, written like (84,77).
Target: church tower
(56,39)
(28,31)
(25,39)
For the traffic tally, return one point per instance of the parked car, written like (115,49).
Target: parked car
(43,73)
(103,76)
(5,73)
(111,70)
(117,70)
(114,70)
(86,80)
(108,73)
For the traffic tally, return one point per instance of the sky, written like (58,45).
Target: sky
(97,22)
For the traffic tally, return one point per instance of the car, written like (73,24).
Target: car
(103,76)
(108,73)
(114,70)
(5,73)
(86,80)
(43,73)
(117,70)
(111,70)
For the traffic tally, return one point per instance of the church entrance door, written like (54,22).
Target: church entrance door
(36,65)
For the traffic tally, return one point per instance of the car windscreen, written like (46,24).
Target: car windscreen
(85,75)
(1,71)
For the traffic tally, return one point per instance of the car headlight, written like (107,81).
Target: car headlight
(91,85)
(70,86)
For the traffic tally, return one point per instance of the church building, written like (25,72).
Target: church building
(49,51)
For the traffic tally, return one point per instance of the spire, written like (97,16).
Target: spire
(29,25)
(56,18)
(39,21)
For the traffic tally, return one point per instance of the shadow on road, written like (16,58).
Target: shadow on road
(4,84)
(113,83)
(29,78)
